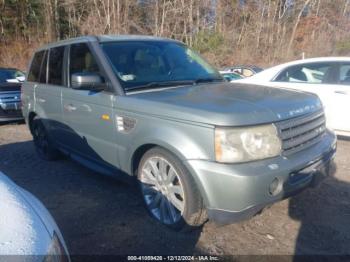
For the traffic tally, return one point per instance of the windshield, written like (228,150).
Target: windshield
(11,75)
(153,63)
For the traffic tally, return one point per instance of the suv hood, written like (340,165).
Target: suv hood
(222,104)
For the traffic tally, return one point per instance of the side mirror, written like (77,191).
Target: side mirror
(87,81)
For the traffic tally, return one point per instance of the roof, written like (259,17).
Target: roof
(111,38)
(319,59)
(107,38)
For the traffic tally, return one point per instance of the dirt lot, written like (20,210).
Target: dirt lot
(99,215)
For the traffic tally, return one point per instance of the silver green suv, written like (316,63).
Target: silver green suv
(198,146)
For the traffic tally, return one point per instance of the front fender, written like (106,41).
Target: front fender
(185,140)
(39,110)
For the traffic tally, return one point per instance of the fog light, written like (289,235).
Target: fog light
(275,187)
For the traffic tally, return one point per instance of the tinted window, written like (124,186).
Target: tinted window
(56,66)
(138,63)
(82,60)
(43,69)
(344,77)
(34,71)
(308,73)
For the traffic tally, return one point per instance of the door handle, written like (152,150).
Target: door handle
(341,92)
(70,108)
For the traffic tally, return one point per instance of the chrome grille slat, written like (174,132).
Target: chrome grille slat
(302,139)
(301,132)
(291,123)
(10,97)
(320,121)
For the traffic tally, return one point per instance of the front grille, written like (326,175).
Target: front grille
(301,132)
(10,96)
(10,100)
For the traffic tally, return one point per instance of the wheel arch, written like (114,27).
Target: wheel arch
(142,149)
(137,155)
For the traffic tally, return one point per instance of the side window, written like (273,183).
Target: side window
(314,73)
(56,66)
(344,77)
(43,69)
(34,71)
(82,60)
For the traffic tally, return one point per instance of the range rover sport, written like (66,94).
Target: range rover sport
(198,146)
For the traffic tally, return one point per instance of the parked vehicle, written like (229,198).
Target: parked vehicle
(153,108)
(10,102)
(27,229)
(327,77)
(243,70)
(230,77)
(11,75)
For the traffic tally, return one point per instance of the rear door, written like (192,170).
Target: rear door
(48,91)
(88,113)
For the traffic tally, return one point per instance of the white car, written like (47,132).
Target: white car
(327,77)
(26,227)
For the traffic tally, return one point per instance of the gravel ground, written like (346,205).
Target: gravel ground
(100,215)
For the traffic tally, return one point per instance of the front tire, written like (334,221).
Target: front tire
(43,144)
(169,192)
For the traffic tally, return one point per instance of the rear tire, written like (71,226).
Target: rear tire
(43,144)
(169,191)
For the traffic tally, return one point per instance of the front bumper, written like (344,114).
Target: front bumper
(234,192)
(10,106)
(10,112)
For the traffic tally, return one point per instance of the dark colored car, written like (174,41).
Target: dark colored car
(10,94)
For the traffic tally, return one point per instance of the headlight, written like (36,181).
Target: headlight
(234,145)
(56,252)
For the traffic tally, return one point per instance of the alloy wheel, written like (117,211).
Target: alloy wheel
(162,190)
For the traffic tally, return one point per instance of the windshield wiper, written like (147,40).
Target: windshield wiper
(161,84)
(173,83)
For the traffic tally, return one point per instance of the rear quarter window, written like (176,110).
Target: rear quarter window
(34,71)
(37,71)
(344,77)
(43,69)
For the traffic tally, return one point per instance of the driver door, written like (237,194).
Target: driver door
(88,114)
